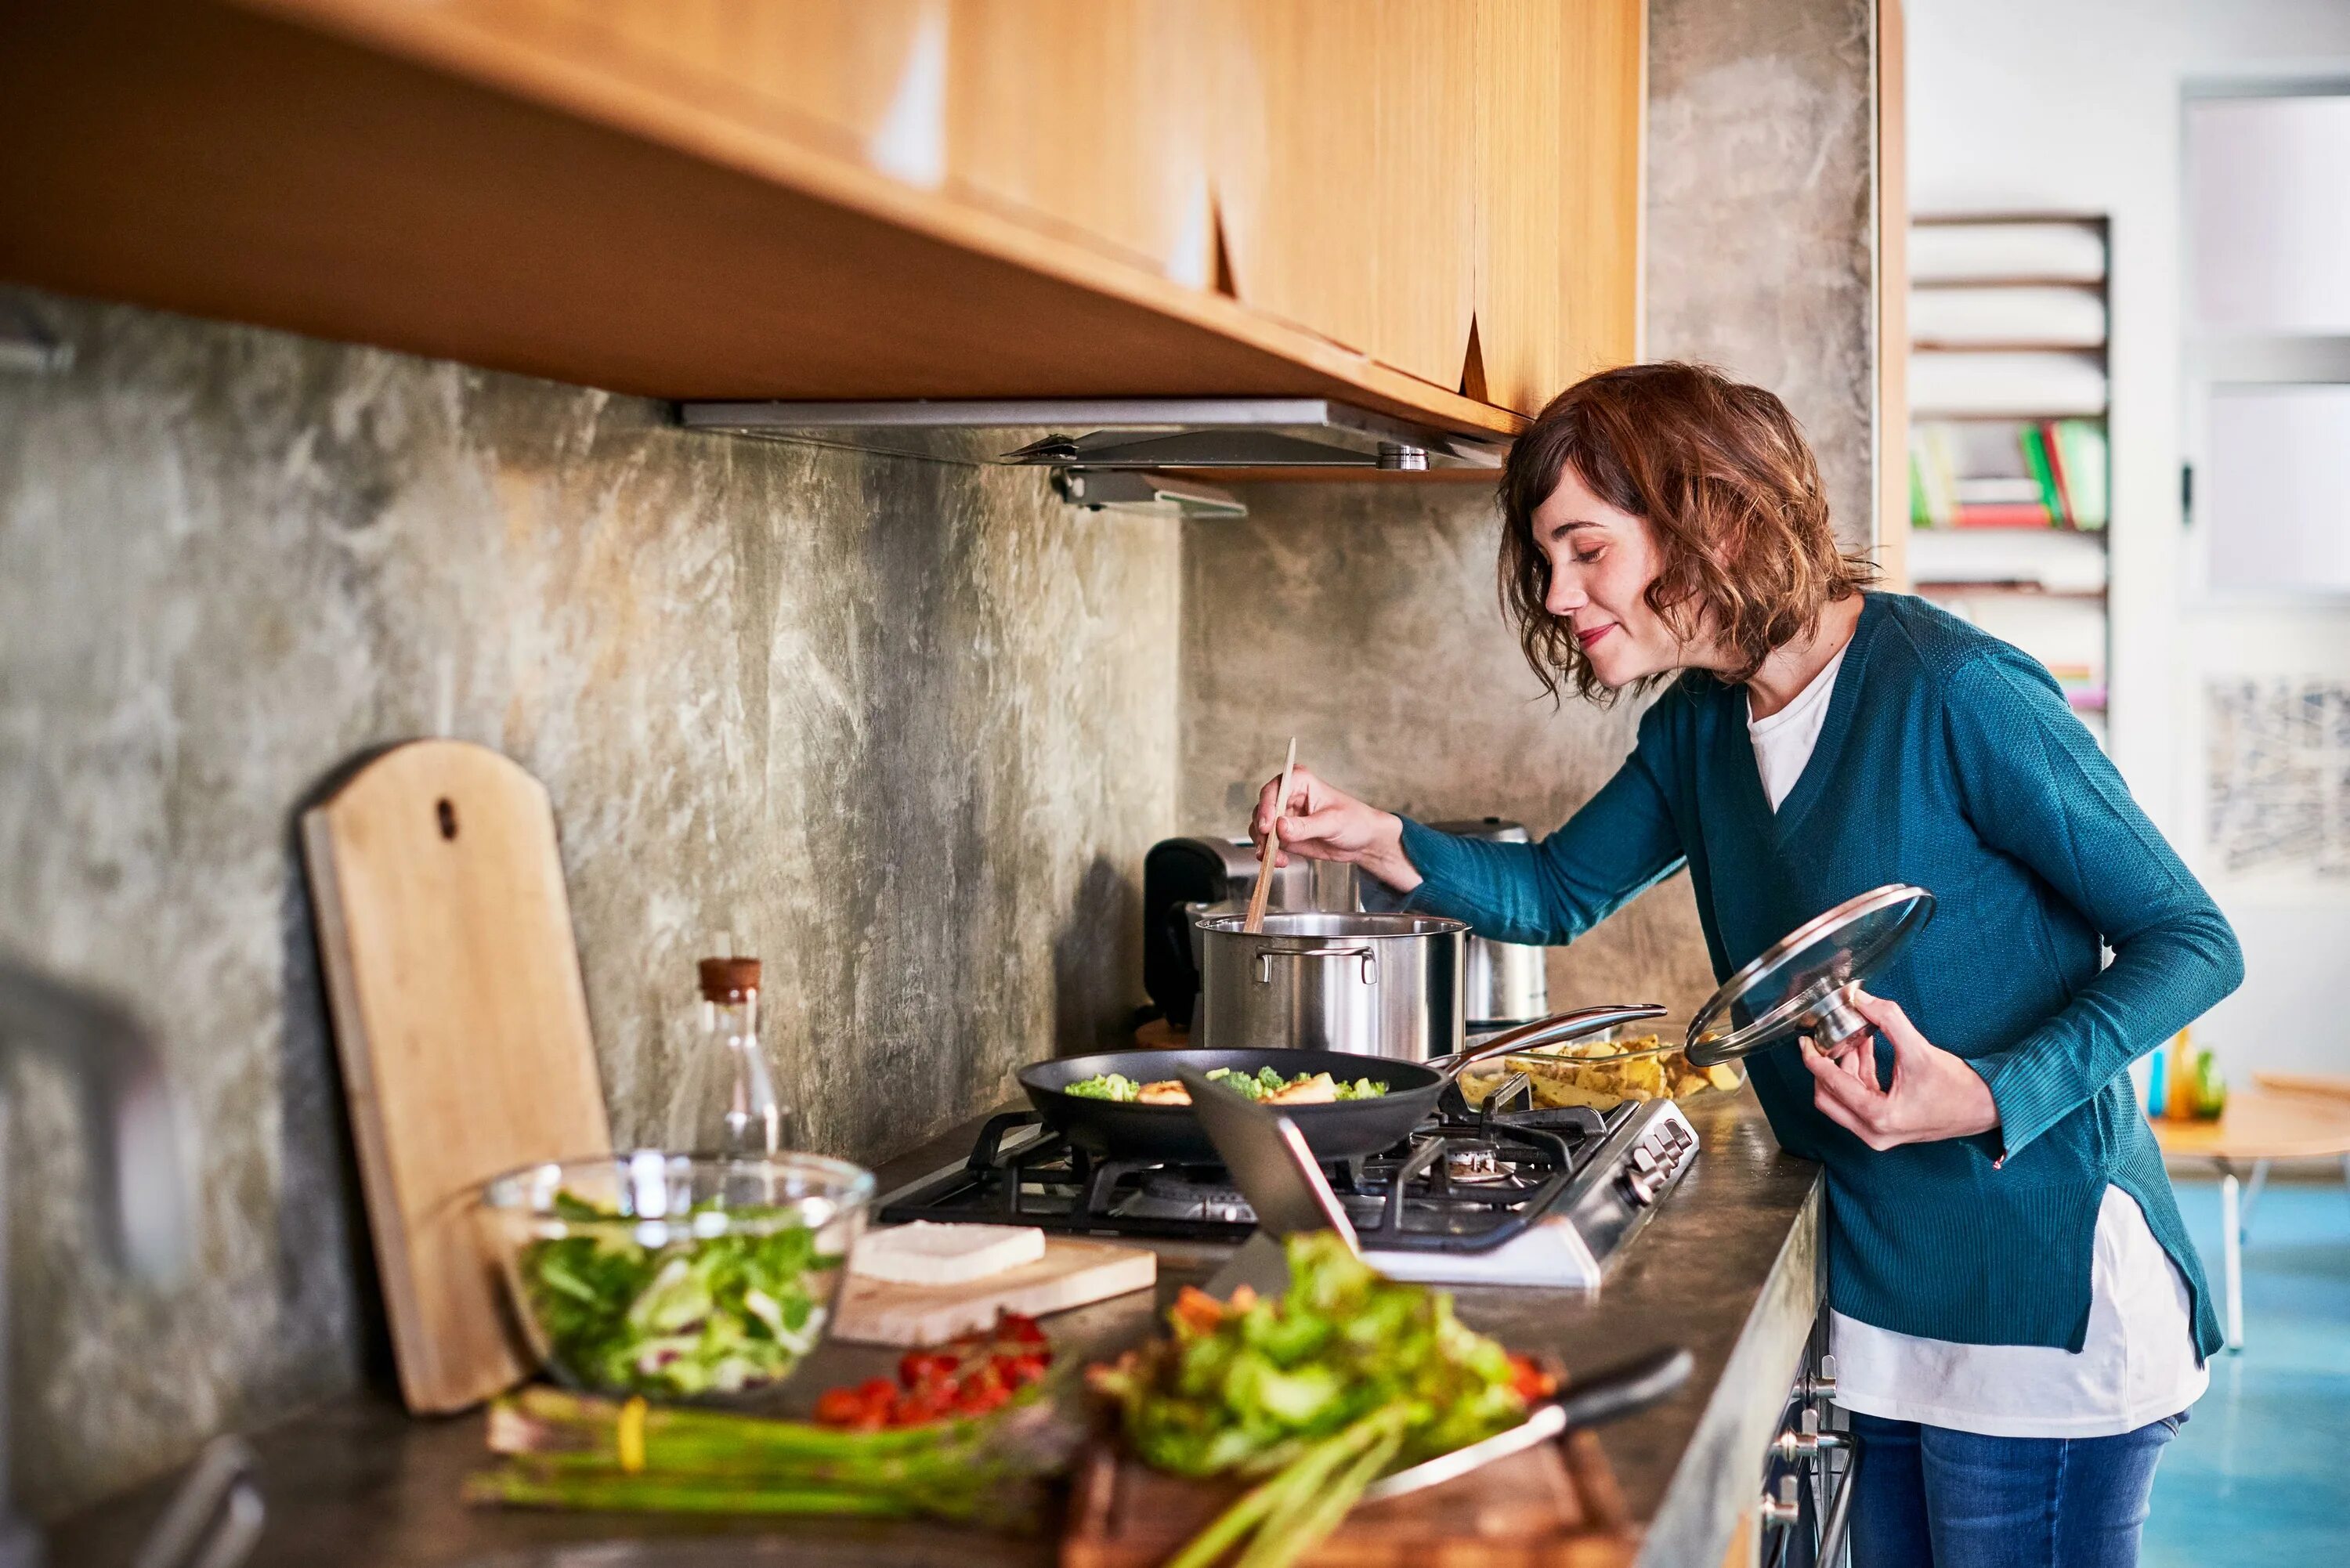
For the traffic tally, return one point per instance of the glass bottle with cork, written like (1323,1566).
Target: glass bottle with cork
(727,1104)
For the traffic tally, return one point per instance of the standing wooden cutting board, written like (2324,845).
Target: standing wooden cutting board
(462,1027)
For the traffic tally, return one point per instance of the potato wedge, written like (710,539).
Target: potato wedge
(1318,1090)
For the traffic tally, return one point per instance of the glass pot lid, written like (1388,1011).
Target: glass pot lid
(1803,983)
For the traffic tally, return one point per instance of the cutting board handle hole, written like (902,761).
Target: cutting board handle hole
(445,810)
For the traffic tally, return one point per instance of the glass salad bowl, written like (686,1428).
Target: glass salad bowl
(1603,1074)
(675,1276)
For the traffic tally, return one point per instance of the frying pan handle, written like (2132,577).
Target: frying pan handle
(1549,1031)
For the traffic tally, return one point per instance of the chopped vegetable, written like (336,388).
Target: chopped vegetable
(1244,1384)
(1343,1376)
(966,1376)
(1265,1084)
(682,1307)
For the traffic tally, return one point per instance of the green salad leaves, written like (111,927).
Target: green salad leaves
(1248,1385)
(702,1310)
(1344,1377)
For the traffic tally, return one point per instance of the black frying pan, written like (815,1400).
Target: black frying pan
(1342,1130)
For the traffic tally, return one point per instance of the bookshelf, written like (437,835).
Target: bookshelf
(2010,470)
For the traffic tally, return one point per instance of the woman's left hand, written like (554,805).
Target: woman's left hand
(1934,1095)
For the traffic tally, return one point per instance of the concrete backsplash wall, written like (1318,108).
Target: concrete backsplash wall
(1361,618)
(1762,214)
(902,727)
(1364,618)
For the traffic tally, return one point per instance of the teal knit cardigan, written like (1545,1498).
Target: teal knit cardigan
(1948,759)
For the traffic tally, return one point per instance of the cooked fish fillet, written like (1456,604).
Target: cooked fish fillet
(1166,1092)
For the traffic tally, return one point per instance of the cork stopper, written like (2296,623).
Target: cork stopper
(730,978)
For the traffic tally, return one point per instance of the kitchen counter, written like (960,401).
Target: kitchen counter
(1730,1266)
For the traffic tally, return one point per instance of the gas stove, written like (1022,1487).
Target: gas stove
(1543,1197)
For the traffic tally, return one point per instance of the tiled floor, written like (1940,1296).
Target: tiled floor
(2261,1474)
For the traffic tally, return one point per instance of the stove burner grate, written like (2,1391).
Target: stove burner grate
(1464,1181)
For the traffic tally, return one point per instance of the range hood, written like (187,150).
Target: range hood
(1113,434)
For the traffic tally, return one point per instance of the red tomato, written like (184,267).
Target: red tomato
(1018,1328)
(1532,1383)
(839,1406)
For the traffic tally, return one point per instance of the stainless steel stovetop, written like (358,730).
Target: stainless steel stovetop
(1539,1197)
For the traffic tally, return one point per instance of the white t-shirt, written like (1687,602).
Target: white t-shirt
(2138,1364)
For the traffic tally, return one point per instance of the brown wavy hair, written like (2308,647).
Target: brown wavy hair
(1725,481)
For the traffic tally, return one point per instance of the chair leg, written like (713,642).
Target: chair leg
(2232,1257)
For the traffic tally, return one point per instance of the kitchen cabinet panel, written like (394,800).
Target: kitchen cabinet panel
(1521,310)
(1089,118)
(1079,119)
(1424,204)
(1606,69)
(706,199)
(1560,98)
(828,71)
(1344,127)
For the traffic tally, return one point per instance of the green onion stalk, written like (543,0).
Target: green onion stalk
(560,1449)
(1286,1516)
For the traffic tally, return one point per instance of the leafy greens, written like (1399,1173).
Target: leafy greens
(668,1309)
(1249,1384)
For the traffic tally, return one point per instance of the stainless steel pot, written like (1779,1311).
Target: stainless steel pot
(1506,982)
(1378,985)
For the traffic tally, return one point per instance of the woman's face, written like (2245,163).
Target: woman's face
(1602,561)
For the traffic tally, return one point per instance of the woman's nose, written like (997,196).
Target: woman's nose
(1564,598)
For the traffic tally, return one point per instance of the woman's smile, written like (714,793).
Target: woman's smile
(1590,635)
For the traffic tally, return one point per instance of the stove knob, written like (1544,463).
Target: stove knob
(1644,1161)
(1639,1187)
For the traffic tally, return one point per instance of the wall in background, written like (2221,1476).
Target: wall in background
(1363,619)
(2017,106)
(1760,242)
(902,727)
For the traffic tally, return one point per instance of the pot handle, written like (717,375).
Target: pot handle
(1551,1031)
(1265,960)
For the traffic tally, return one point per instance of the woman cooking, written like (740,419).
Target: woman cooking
(2020,1324)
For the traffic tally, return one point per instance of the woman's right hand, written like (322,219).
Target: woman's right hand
(1324,824)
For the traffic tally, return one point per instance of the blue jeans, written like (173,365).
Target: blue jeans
(1933,1497)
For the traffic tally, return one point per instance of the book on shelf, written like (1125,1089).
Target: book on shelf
(2063,483)
(2079,448)
(2002,514)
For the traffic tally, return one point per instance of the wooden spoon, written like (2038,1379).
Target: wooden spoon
(1255,924)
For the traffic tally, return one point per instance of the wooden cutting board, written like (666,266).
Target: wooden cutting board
(462,1024)
(1071,1273)
(1556,1506)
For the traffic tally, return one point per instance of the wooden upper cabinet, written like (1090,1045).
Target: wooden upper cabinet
(1082,118)
(1345,134)
(860,198)
(1561,95)
(1087,116)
